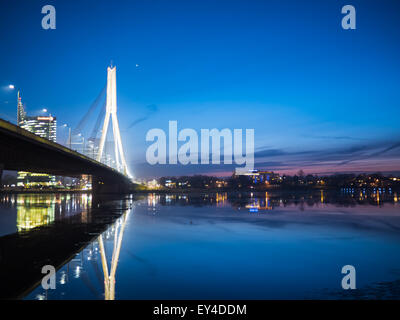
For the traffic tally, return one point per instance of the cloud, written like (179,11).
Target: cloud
(330,157)
(333,137)
(376,154)
(278,152)
(383,156)
(137,121)
(150,111)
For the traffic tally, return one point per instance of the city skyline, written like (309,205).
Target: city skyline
(320,98)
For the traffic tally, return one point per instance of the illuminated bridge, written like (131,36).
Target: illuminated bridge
(25,151)
(22,150)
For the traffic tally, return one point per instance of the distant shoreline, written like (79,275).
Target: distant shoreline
(214,190)
(265,189)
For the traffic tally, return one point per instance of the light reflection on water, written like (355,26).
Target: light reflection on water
(23,212)
(216,246)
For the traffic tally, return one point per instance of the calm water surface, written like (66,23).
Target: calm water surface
(226,246)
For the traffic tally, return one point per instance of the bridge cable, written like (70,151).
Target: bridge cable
(99,120)
(93,107)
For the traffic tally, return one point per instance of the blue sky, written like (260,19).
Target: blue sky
(316,95)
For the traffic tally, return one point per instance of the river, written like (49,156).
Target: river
(268,245)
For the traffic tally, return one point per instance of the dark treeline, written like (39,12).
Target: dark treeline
(375,180)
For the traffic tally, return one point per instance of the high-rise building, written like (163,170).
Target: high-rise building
(45,127)
(20,111)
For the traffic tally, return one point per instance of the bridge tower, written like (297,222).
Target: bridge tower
(111,112)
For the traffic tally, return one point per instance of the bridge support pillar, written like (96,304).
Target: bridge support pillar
(102,185)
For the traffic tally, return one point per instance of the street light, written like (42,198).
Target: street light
(83,145)
(69,137)
(9,87)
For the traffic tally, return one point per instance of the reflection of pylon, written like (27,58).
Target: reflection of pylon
(109,278)
(111,111)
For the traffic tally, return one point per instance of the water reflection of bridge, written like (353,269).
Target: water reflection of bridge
(109,277)
(103,252)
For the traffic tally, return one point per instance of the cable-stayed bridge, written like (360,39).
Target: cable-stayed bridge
(25,151)
(97,143)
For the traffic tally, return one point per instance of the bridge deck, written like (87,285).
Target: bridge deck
(25,151)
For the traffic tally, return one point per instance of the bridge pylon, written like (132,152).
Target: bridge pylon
(111,112)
